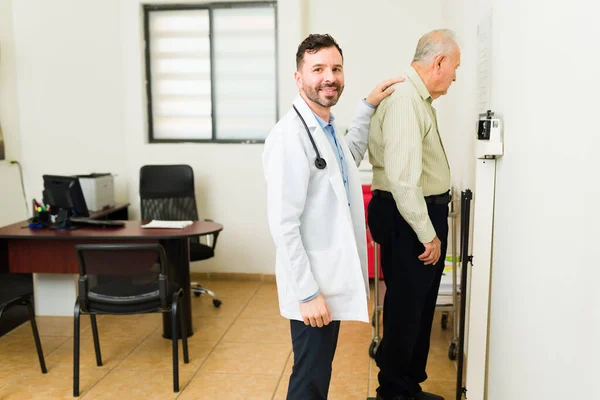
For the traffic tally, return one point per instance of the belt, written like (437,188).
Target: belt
(435,199)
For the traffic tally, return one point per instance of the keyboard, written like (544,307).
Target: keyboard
(97,222)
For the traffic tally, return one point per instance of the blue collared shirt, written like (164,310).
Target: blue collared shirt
(337,149)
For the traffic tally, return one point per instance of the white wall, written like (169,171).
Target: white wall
(68,59)
(457,114)
(81,81)
(545,314)
(12,206)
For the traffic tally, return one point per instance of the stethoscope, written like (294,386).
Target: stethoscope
(320,162)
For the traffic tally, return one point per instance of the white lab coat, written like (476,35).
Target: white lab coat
(320,242)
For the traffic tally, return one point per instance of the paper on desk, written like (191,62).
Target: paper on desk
(167,224)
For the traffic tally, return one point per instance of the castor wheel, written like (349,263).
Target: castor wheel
(452,352)
(444,321)
(217,303)
(373,349)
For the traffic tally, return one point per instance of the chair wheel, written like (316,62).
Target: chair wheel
(452,352)
(197,294)
(373,349)
(217,303)
(444,321)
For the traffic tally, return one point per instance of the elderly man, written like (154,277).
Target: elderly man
(408,214)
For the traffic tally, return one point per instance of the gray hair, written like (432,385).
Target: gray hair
(434,43)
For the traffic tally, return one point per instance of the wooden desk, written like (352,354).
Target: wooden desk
(19,315)
(25,250)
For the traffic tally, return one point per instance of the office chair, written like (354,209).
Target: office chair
(167,193)
(18,292)
(122,279)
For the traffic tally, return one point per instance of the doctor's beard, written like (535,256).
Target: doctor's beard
(317,96)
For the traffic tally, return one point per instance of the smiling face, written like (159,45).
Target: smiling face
(320,78)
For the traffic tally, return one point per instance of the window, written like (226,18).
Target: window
(211,72)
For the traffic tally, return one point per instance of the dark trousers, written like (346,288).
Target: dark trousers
(314,349)
(410,297)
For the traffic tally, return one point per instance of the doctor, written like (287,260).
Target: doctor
(316,215)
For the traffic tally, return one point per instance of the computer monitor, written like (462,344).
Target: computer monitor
(65,197)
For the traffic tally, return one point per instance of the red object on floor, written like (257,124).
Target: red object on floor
(366,189)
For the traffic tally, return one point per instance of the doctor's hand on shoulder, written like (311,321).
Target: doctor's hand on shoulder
(382,90)
(316,312)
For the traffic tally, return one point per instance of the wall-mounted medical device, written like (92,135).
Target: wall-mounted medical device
(489,147)
(489,135)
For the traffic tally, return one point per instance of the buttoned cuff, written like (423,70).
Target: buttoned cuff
(306,290)
(427,234)
(310,297)
(372,107)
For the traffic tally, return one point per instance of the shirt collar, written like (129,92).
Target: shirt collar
(322,122)
(416,80)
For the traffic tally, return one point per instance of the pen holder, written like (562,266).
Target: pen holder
(43,217)
(40,219)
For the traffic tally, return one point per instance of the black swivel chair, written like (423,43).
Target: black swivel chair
(126,279)
(16,288)
(167,193)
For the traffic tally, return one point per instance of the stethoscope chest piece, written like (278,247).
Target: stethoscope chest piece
(320,163)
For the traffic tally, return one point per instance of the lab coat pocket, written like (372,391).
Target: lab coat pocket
(330,272)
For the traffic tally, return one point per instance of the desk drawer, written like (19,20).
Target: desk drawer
(50,256)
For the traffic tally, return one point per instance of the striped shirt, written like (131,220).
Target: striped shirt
(407,153)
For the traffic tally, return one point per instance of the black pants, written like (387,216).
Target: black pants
(410,297)
(314,349)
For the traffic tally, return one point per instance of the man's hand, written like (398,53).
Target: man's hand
(382,91)
(432,252)
(315,312)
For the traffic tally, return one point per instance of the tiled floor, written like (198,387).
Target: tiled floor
(240,351)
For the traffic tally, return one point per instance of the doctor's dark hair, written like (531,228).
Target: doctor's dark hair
(313,43)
